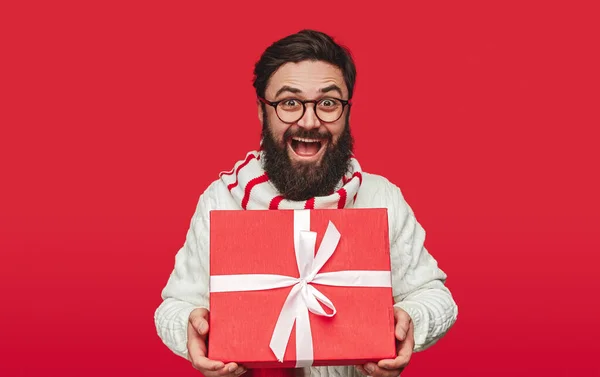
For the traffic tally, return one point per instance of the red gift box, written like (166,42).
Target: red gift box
(247,245)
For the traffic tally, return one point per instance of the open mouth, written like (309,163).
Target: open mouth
(306,147)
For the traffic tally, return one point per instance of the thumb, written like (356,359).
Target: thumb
(400,332)
(403,322)
(199,320)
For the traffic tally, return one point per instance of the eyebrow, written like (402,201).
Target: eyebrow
(286,88)
(330,88)
(326,89)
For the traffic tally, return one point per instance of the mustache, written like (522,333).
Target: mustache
(307,134)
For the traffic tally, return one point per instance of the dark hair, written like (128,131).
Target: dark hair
(304,45)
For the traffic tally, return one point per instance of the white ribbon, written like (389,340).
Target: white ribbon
(303,297)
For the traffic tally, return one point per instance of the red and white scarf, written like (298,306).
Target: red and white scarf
(250,187)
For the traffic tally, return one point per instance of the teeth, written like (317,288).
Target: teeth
(305,140)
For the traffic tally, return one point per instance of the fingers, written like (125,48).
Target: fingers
(197,350)
(204,365)
(361,370)
(199,320)
(196,343)
(374,370)
(399,363)
(232,369)
(405,351)
(197,332)
(403,322)
(406,347)
(212,368)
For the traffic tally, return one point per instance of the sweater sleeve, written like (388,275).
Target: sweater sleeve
(418,284)
(187,286)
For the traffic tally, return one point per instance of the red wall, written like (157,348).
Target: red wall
(115,117)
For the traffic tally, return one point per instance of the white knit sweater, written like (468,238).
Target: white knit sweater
(417,282)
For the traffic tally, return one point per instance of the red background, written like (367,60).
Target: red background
(115,116)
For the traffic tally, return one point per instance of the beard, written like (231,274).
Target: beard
(300,181)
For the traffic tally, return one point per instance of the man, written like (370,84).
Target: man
(304,84)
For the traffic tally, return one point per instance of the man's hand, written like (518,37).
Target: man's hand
(197,333)
(404,333)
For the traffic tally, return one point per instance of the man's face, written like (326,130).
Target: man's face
(308,157)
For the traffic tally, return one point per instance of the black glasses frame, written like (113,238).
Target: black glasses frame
(304,102)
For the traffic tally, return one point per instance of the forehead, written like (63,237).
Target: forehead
(307,76)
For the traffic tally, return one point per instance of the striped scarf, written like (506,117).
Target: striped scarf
(250,187)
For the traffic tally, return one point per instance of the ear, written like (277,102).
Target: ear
(259,109)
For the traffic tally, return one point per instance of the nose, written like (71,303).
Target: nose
(309,120)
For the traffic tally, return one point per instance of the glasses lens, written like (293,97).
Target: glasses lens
(289,110)
(329,109)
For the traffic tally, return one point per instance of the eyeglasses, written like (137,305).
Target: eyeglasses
(291,110)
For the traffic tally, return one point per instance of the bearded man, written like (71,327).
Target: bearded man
(304,85)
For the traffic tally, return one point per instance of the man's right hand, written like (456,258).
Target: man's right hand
(197,333)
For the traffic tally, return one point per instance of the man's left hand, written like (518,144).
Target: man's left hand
(404,333)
